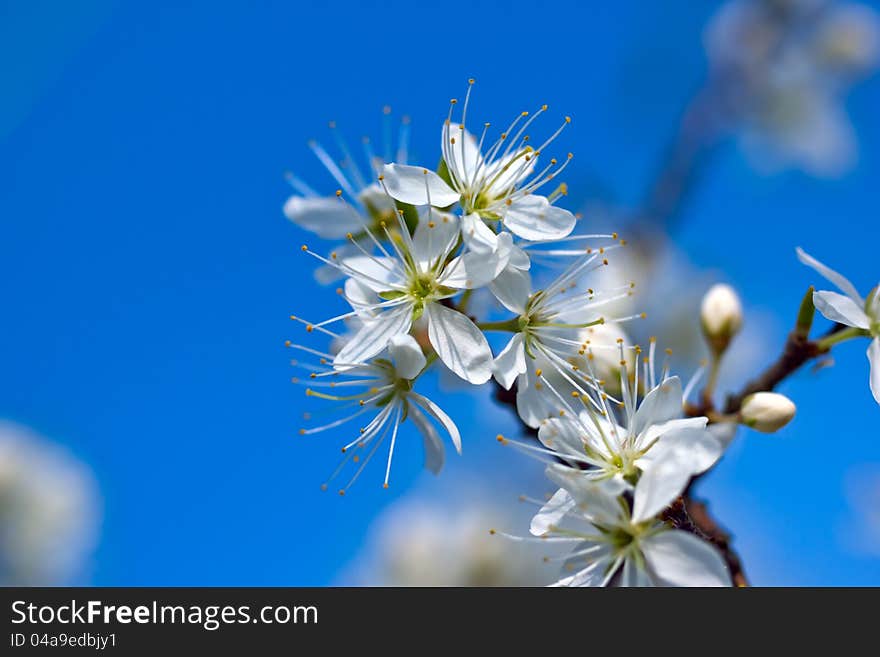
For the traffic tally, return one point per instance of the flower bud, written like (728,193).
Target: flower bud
(721,317)
(766,412)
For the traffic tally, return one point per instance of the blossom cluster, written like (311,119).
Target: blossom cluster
(417,246)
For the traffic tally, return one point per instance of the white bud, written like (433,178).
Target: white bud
(766,412)
(721,316)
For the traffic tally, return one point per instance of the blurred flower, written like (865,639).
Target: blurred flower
(384,386)
(783,68)
(611,546)
(851,310)
(445,541)
(48,511)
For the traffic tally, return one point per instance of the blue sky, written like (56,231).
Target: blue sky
(149,273)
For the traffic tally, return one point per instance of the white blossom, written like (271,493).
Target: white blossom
(610,545)
(642,444)
(48,511)
(851,310)
(491,183)
(410,279)
(383,389)
(324,215)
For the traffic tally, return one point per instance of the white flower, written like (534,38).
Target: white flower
(391,290)
(613,546)
(382,387)
(491,182)
(647,445)
(548,330)
(327,216)
(852,310)
(767,412)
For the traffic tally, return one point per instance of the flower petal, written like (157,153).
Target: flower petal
(473,270)
(417,186)
(874,360)
(478,237)
(633,576)
(839,308)
(677,558)
(533,218)
(435,453)
(407,355)
(435,237)
(512,288)
(374,336)
(329,218)
(460,151)
(563,436)
(594,567)
(659,485)
(459,343)
(378,273)
(839,280)
(510,363)
(438,414)
(661,404)
(696,448)
(552,512)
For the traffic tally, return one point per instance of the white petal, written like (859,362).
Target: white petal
(874,360)
(459,343)
(531,403)
(329,218)
(633,576)
(414,185)
(374,336)
(594,568)
(435,453)
(438,414)
(519,258)
(473,270)
(360,297)
(407,355)
(552,512)
(434,237)
(478,237)
(696,449)
(597,500)
(839,308)
(661,404)
(512,288)
(657,430)
(840,281)
(462,157)
(380,274)
(533,218)
(659,486)
(677,558)
(510,363)
(562,435)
